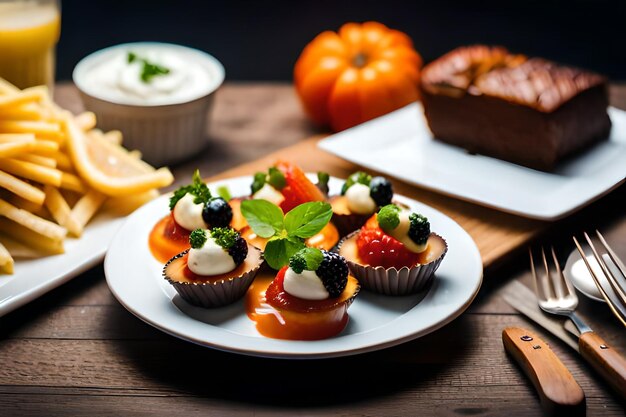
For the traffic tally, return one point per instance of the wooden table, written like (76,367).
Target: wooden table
(77,351)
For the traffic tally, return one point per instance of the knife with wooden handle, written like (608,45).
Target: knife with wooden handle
(607,361)
(558,391)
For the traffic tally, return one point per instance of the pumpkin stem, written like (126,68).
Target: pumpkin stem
(359,60)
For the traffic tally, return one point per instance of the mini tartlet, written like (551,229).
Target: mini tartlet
(307,300)
(191,207)
(361,196)
(394,253)
(286,186)
(217,270)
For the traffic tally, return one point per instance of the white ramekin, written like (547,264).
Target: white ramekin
(164,133)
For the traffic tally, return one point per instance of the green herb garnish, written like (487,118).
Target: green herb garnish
(286,233)
(306,259)
(197,188)
(197,238)
(358,177)
(224,192)
(258,182)
(224,236)
(322,181)
(388,217)
(273,177)
(149,69)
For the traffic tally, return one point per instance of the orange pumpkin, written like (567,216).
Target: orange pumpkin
(361,72)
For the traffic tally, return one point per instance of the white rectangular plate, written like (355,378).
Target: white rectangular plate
(400,144)
(35,277)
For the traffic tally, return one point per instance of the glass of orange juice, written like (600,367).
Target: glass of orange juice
(29,31)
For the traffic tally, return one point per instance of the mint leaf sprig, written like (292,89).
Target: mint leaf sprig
(149,70)
(286,233)
(306,259)
(273,177)
(197,188)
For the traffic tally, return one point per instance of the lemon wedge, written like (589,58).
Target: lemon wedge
(109,168)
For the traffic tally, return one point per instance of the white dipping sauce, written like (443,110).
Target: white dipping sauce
(111,77)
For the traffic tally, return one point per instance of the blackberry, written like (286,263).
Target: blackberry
(381,191)
(217,212)
(419,229)
(239,250)
(333,271)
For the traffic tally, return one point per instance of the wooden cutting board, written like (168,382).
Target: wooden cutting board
(496,234)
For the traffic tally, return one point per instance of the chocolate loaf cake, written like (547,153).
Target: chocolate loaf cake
(529,111)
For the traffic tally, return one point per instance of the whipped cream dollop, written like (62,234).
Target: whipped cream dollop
(189,214)
(306,285)
(269,193)
(401,233)
(118,80)
(210,259)
(359,200)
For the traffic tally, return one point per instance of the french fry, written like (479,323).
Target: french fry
(17,99)
(72,182)
(61,211)
(10,149)
(16,137)
(30,221)
(21,188)
(63,161)
(38,160)
(46,130)
(19,202)
(86,120)
(31,171)
(43,244)
(44,147)
(18,250)
(30,111)
(87,206)
(6,260)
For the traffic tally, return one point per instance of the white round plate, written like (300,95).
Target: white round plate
(376,321)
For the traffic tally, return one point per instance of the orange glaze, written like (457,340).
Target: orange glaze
(281,316)
(168,239)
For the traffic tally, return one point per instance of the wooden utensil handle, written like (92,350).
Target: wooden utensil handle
(558,391)
(605,359)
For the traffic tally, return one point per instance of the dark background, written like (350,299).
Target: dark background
(261,40)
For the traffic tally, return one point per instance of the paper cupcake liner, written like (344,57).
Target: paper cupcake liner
(348,223)
(393,281)
(214,294)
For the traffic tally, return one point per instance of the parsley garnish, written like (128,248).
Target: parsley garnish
(197,188)
(224,192)
(149,69)
(358,177)
(197,238)
(286,233)
(273,177)
(306,259)
(322,181)
(224,236)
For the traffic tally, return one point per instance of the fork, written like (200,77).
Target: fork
(612,289)
(556,295)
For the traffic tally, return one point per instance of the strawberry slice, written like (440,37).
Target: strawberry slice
(376,248)
(299,188)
